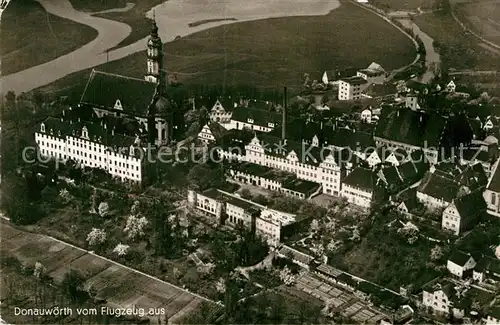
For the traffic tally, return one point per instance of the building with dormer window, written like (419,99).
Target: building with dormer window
(95,145)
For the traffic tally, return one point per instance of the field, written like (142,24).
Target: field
(135,18)
(30,36)
(482,17)
(394,5)
(114,283)
(458,50)
(97,5)
(271,53)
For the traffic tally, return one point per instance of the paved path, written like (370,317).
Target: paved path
(119,285)
(129,6)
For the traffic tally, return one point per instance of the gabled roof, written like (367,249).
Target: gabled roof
(301,186)
(439,187)
(494,182)
(459,258)
(259,117)
(352,139)
(354,80)
(104,89)
(410,127)
(217,130)
(488,264)
(360,178)
(473,177)
(98,132)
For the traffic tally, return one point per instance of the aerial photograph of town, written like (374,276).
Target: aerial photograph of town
(249,162)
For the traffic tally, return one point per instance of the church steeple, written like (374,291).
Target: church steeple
(155,70)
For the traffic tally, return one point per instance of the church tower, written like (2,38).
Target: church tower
(155,70)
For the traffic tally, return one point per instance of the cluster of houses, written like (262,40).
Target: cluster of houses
(468,291)
(407,150)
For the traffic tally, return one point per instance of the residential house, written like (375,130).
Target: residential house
(491,123)
(493,317)
(366,115)
(407,205)
(437,191)
(463,212)
(211,132)
(451,87)
(410,130)
(492,192)
(359,186)
(397,156)
(459,263)
(360,144)
(374,74)
(443,298)
(346,281)
(351,88)
(257,119)
(487,268)
(416,87)
(221,111)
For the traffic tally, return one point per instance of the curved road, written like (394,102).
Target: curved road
(173,18)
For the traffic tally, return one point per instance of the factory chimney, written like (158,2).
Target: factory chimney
(285,112)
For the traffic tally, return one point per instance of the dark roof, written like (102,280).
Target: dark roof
(414,128)
(459,258)
(354,80)
(328,270)
(360,178)
(352,139)
(231,199)
(416,86)
(372,73)
(470,154)
(347,279)
(301,186)
(494,312)
(259,116)
(494,182)
(98,132)
(217,130)
(439,187)
(488,264)
(390,175)
(264,172)
(408,171)
(103,89)
(473,177)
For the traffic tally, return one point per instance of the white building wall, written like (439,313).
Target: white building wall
(451,220)
(357,196)
(438,301)
(91,154)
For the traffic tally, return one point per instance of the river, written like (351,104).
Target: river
(172,16)
(431,56)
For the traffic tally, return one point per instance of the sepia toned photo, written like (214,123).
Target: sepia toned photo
(249,162)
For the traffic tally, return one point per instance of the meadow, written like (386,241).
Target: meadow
(31,36)
(482,17)
(458,49)
(270,53)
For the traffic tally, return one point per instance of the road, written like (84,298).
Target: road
(173,18)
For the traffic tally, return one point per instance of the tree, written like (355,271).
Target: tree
(17,202)
(121,249)
(286,276)
(436,253)
(314,227)
(65,196)
(72,285)
(103,209)
(135,227)
(96,237)
(40,271)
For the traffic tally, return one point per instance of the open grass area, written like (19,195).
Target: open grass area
(31,36)
(458,49)
(482,17)
(135,18)
(394,5)
(97,5)
(271,53)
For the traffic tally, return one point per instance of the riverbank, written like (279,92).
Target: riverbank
(207,21)
(269,53)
